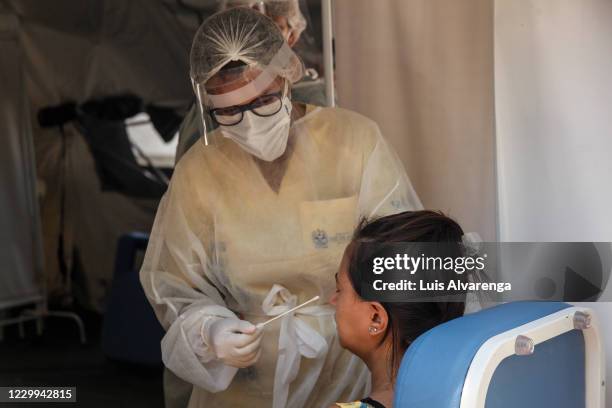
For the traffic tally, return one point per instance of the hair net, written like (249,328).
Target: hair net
(245,35)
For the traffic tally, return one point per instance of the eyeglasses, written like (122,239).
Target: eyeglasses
(264,106)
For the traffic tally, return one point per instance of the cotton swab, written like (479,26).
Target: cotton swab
(260,325)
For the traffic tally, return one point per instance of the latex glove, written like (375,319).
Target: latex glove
(235,342)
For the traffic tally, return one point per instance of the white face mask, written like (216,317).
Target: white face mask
(263,137)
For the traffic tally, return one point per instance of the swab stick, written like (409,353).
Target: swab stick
(260,325)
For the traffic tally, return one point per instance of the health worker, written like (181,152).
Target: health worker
(255,221)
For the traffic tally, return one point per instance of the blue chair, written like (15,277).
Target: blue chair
(131,332)
(520,354)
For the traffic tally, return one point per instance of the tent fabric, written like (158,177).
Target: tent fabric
(79,50)
(423,70)
(84,49)
(20,251)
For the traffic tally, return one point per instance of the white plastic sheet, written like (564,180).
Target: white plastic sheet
(20,256)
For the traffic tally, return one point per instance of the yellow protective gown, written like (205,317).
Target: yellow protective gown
(224,243)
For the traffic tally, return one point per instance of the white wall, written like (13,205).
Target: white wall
(553,85)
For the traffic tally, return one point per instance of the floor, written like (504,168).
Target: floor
(58,359)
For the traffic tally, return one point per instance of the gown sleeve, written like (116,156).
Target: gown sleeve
(385,187)
(179,281)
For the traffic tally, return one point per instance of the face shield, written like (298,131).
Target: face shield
(236,56)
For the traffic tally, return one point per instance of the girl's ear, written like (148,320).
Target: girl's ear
(292,38)
(379,319)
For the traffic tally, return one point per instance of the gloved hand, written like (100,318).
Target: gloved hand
(235,342)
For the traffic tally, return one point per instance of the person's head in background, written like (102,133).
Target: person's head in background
(286,15)
(380,332)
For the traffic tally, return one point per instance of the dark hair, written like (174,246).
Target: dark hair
(228,71)
(407,320)
(232,64)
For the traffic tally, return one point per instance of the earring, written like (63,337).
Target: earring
(372,329)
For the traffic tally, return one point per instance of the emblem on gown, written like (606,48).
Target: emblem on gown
(319,238)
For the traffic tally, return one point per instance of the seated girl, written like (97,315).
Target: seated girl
(380,332)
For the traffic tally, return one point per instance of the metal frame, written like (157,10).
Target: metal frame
(328,51)
(39,313)
(497,348)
